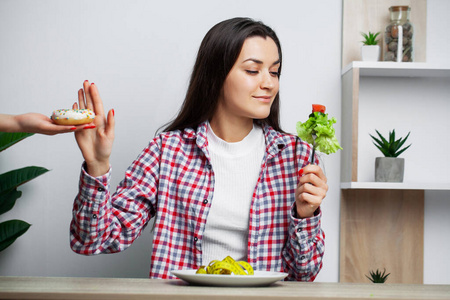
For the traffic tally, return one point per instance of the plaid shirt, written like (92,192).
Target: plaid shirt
(173,180)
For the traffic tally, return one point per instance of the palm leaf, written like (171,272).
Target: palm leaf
(384,151)
(382,137)
(380,143)
(17,177)
(8,199)
(389,148)
(7,139)
(402,141)
(10,231)
(392,137)
(370,39)
(378,277)
(401,151)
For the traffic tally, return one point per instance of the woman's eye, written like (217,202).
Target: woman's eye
(252,72)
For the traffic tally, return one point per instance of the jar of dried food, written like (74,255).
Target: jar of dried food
(399,36)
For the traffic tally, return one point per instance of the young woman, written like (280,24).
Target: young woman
(221,179)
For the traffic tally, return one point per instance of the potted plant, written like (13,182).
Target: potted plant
(10,230)
(378,277)
(389,168)
(370,50)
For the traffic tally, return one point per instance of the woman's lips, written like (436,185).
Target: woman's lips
(265,99)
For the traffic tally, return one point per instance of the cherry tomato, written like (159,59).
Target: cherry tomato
(318,108)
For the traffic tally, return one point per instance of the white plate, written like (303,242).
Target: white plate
(260,278)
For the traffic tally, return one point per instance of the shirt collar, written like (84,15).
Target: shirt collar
(275,141)
(199,135)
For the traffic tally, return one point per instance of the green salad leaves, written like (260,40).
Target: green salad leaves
(318,131)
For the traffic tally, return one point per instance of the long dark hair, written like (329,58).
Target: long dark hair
(216,56)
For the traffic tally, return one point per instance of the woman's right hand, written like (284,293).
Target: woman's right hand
(95,142)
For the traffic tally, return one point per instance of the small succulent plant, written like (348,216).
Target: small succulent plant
(391,147)
(370,39)
(378,277)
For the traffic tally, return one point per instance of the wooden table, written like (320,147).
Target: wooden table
(119,288)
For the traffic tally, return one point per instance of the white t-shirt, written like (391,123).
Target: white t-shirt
(236,169)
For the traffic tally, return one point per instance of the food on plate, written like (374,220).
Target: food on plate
(73,116)
(227,266)
(318,131)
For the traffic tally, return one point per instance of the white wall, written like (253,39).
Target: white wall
(139,54)
(437,203)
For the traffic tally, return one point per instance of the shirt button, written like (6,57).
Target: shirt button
(280,146)
(195,239)
(299,229)
(101,189)
(205,201)
(94,216)
(209,166)
(302,257)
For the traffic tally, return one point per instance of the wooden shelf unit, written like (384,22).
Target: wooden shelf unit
(351,76)
(382,224)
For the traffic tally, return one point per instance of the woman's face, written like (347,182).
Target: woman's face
(252,83)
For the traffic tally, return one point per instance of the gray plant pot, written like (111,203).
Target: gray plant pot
(389,169)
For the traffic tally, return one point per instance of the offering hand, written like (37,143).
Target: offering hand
(33,123)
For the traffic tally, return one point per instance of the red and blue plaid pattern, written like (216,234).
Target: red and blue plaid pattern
(172,180)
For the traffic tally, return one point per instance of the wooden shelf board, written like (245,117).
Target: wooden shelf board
(396,186)
(394,69)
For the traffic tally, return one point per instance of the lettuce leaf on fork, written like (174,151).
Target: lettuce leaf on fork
(318,131)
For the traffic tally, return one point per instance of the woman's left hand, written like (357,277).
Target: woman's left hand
(311,190)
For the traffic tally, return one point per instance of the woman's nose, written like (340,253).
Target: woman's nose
(268,80)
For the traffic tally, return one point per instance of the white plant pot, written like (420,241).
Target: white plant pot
(389,169)
(370,53)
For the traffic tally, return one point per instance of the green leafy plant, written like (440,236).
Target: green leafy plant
(391,147)
(370,39)
(318,131)
(378,277)
(9,181)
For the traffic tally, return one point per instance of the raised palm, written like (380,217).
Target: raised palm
(96,141)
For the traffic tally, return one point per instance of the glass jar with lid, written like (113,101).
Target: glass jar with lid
(399,36)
